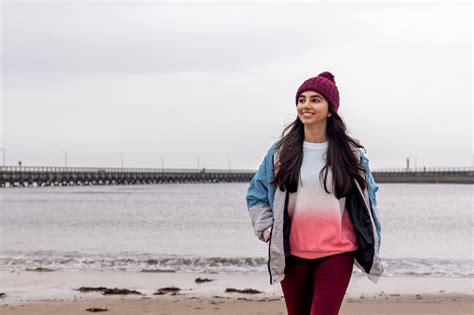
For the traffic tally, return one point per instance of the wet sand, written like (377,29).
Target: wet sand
(380,304)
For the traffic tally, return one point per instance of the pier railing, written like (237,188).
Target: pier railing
(204,170)
(423,169)
(59,169)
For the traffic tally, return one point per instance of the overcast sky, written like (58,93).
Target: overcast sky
(212,82)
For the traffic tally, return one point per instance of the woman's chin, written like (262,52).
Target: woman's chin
(308,121)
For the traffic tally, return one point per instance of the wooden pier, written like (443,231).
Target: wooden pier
(426,175)
(36,176)
(15,176)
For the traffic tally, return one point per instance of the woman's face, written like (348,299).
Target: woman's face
(312,108)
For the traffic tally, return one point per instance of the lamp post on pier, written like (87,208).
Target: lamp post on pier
(4,155)
(65,158)
(228,160)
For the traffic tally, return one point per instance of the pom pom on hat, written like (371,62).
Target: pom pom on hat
(323,84)
(327,75)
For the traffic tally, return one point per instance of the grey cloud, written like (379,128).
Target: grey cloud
(159,37)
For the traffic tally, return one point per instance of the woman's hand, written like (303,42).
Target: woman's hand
(267,234)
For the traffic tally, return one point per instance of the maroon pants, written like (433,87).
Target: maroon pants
(316,286)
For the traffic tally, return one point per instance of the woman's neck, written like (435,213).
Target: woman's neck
(315,134)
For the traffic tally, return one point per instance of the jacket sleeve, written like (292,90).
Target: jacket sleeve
(372,190)
(258,205)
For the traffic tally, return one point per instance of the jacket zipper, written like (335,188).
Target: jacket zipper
(271,232)
(269,245)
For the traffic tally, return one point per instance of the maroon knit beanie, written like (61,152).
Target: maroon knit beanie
(323,84)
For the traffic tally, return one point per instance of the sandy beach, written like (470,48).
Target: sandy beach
(59,292)
(380,304)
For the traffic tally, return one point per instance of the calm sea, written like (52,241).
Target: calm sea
(426,229)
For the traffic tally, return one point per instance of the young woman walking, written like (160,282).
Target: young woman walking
(313,199)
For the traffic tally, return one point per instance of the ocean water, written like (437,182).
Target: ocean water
(426,229)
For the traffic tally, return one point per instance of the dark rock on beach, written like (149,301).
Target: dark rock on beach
(40,269)
(246,291)
(108,291)
(172,290)
(120,291)
(201,280)
(96,309)
(157,270)
(91,289)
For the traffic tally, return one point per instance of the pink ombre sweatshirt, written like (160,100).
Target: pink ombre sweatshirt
(320,224)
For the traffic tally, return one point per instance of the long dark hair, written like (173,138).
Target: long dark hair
(340,157)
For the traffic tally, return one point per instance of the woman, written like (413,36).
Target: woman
(313,200)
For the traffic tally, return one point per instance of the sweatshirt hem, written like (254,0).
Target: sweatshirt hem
(315,255)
